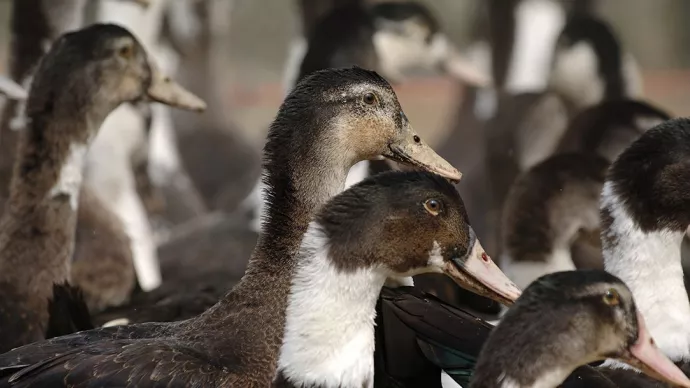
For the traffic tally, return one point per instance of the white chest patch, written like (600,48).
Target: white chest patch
(650,264)
(538,23)
(575,74)
(71,175)
(329,330)
(357,173)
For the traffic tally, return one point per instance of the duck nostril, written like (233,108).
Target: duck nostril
(416,139)
(485,257)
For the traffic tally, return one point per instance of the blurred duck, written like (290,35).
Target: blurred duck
(550,220)
(226,345)
(102,256)
(537,345)
(393,224)
(588,66)
(37,231)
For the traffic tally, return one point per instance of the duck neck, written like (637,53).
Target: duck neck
(645,260)
(543,361)
(38,227)
(298,179)
(329,330)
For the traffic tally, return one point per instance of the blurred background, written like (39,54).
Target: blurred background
(260,32)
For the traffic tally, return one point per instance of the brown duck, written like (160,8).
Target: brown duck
(84,76)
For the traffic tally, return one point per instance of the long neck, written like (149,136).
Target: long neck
(650,264)
(38,227)
(329,331)
(298,179)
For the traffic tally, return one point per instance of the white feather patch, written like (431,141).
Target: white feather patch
(649,263)
(329,330)
(71,175)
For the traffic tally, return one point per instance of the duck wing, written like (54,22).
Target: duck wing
(67,312)
(122,363)
(447,337)
(21,357)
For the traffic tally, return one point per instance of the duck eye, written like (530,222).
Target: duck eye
(611,297)
(370,99)
(433,206)
(126,51)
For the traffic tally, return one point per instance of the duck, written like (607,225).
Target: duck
(101,246)
(192,252)
(131,133)
(37,231)
(392,224)
(224,345)
(527,127)
(644,218)
(537,345)
(550,219)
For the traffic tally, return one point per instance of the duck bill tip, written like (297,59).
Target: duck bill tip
(479,274)
(12,90)
(422,156)
(165,90)
(646,356)
(465,71)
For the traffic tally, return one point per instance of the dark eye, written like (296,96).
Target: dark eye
(611,297)
(126,51)
(370,99)
(433,206)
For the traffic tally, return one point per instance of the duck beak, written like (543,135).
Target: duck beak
(647,357)
(448,57)
(463,70)
(11,89)
(164,90)
(410,149)
(478,273)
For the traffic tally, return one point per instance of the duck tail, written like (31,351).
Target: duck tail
(67,311)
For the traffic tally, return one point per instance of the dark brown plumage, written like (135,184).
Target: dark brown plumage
(84,76)
(564,320)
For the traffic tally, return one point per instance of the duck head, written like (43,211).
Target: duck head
(408,37)
(349,115)
(408,223)
(567,319)
(105,66)
(11,90)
